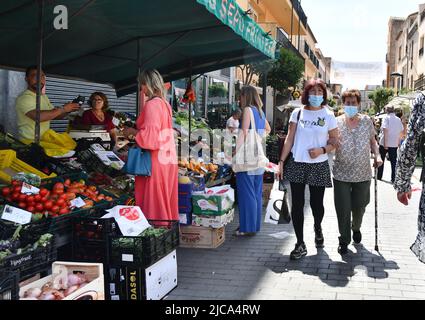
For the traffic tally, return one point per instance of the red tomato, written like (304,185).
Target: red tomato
(31,204)
(15,196)
(70,196)
(6,191)
(17,189)
(63,211)
(44,192)
(48,205)
(37,198)
(61,203)
(58,185)
(67,182)
(30,199)
(16,183)
(59,191)
(55,209)
(23,197)
(30,209)
(22,205)
(39,207)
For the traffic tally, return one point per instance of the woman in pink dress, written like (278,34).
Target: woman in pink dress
(157,195)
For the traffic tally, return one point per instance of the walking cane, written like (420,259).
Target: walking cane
(376,210)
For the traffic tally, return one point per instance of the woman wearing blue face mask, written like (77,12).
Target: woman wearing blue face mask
(352,169)
(304,160)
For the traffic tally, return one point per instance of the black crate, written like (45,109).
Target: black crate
(145,251)
(9,286)
(93,164)
(30,263)
(91,239)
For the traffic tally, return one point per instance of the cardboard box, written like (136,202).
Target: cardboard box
(215,222)
(200,237)
(152,283)
(95,290)
(214,204)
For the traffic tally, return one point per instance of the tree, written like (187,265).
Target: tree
(287,71)
(255,68)
(381,97)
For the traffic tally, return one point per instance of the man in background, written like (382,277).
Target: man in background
(391,134)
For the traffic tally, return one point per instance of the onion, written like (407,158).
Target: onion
(47,295)
(75,279)
(71,290)
(32,293)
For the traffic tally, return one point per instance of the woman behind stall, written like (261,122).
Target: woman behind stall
(305,153)
(98,115)
(250,184)
(156,195)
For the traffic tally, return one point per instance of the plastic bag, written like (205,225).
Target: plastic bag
(275,213)
(57,144)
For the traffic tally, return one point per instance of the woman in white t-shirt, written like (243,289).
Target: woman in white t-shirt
(304,161)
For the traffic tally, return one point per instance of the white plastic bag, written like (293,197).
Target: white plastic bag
(277,200)
(131,220)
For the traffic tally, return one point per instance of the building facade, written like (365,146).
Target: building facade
(405,54)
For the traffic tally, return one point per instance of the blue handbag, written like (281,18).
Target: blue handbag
(139,162)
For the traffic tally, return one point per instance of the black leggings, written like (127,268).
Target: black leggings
(316,203)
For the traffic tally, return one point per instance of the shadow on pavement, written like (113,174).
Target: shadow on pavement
(362,263)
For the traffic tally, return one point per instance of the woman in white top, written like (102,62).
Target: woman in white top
(304,161)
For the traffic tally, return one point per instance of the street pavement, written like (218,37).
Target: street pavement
(259,268)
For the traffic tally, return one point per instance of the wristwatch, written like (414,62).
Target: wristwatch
(324,150)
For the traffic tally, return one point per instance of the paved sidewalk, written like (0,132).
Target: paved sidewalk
(259,267)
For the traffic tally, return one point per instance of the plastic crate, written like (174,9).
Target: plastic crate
(93,164)
(91,239)
(30,263)
(145,251)
(186,190)
(10,165)
(9,286)
(185,205)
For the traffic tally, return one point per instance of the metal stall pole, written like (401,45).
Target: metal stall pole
(39,70)
(139,85)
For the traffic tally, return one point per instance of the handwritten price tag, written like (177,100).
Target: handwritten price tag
(29,189)
(16,215)
(78,203)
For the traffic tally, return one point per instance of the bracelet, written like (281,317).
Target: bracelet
(324,150)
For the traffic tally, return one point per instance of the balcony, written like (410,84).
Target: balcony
(283,40)
(300,12)
(420,83)
(289,15)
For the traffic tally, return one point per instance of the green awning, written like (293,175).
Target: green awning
(177,37)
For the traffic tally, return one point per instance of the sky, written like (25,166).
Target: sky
(355,30)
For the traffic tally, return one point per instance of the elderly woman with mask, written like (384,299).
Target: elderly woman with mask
(352,169)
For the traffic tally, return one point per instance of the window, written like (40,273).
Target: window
(399,53)
(421,46)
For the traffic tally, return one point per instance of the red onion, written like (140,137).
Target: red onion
(76,279)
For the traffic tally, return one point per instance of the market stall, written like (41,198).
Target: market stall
(79,209)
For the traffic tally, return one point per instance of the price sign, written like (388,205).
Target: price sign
(16,215)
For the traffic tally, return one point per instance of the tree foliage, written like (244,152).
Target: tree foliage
(287,71)
(381,97)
